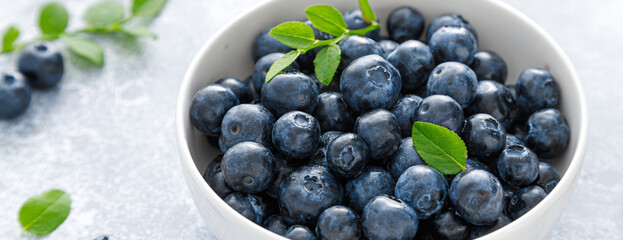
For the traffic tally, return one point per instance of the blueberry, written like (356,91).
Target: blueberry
(484,136)
(513,140)
(103,237)
(370,82)
(548,133)
(215,179)
(525,199)
(14,95)
(244,94)
(448,19)
(451,43)
(478,196)
(270,205)
(247,205)
(283,167)
(536,89)
(296,134)
(494,99)
(453,79)
(548,177)
(441,110)
(508,195)
(386,217)
(354,47)
(479,231)
(332,112)
(517,166)
(475,164)
(347,155)
(320,158)
(276,224)
(306,192)
(373,181)
(449,226)
(380,130)
(263,65)
(423,188)
(404,110)
(403,158)
(289,92)
(327,137)
(489,65)
(405,23)
(414,60)
(248,167)
(307,60)
(300,232)
(246,122)
(209,106)
(354,20)
(338,223)
(266,44)
(42,64)
(387,46)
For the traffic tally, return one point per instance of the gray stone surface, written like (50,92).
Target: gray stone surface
(106,135)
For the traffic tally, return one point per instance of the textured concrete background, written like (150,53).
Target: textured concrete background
(106,135)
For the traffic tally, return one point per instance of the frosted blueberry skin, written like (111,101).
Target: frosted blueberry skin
(276,224)
(404,158)
(15,94)
(354,20)
(266,44)
(372,182)
(283,167)
(42,64)
(338,223)
(453,79)
(524,200)
(354,47)
(496,100)
(387,46)
(246,122)
(452,43)
(290,92)
(263,65)
(386,217)
(215,179)
(448,19)
(244,93)
(513,140)
(548,133)
(536,89)
(424,189)
(441,110)
(484,136)
(306,192)
(347,155)
(448,225)
(479,231)
(320,157)
(404,110)
(405,23)
(548,177)
(370,82)
(296,134)
(475,164)
(517,166)
(248,167)
(247,205)
(379,129)
(414,60)
(478,196)
(488,65)
(209,106)
(300,232)
(332,112)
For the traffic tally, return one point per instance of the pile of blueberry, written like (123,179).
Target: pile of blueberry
(39,65)
(309,161)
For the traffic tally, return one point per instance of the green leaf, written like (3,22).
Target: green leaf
(104,13)
(138,31)
(366,11)
(281,64)
(294,34)
(326,63)
(85,48)
(326,18)
(53,19)
(439,147)
(9,38)
(42,214)
(147,8)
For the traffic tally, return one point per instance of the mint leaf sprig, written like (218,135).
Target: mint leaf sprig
(300,36)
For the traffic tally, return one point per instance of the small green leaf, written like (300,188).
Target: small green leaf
(9,38)
(326,63)
(42,214)
(294,34)
(53,18)
(366,11)
(281,64)
(147,8)
(85,48)
(326,18)
(138,31)
(104,13)
(439,147)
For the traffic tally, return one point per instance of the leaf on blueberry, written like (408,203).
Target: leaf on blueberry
(85,48)
(42,214)
(326,62)
(53,19)
(366,11)
(147,8)
(326,18)
(439,147)
(9,38)
(281,64)
(294,34)
(104,13)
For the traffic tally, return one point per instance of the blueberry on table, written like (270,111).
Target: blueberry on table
(300,232)
(548,133)
(263,65)
(517,166)
(453,79)
(213,175)
(266,44)
(513,140)
(484,136)
(15,95)
(296,134)
(332,112)
(478,196)
(449,226)
(338,223)
(246,122)
(42,64)
(354,47)
(387,46)
(306,192)
(276,224)
(404,158)
(452,43)
(479,231)
(244,94)
(380,130)
(354,20)
(386,217)
(548,177)
(536,89)
(372,182)
(370,82)
(347,155)
(441,110)
(290,92)
(404,110)
(248,167)
(247,205)
(209,106)
(405,23)
(414,60)
(496,100)
(524,200)
(448,19)
(489,65)
(475,164)
(283,167)
(424,189)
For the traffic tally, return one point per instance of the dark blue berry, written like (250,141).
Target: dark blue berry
(496,100)
(354,20)
(441,110)
(42,64)
(270,206)
(296,134)
(414,60)
(276,224)
(246,122)
(452,43)
(244,94)
(215,179)
(524,200)
(403,158)
(289,92)
(478,196)
(263,65)
(517,166)
(373,181)
(320,158)
(332,112)
(338,223)
(513,140)
(283,167)
(380,130)
(354,47)
(548,177)
(449,226)
(405,23)
(266,44)
(300,232)
(14,95)
(248,167)
(479,231)
(548,133)
(209,106)
(475,164)
(423,188)
(484,136)
(536,89)
(453,79)
(489,65)
(404,111)
(387,46)
(386,217)
(347,155)
(448,19)
(508,195)
(247,205)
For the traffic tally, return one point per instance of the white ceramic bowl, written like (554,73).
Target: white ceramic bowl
(501,28)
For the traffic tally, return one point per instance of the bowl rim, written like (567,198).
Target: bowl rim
(566,181)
